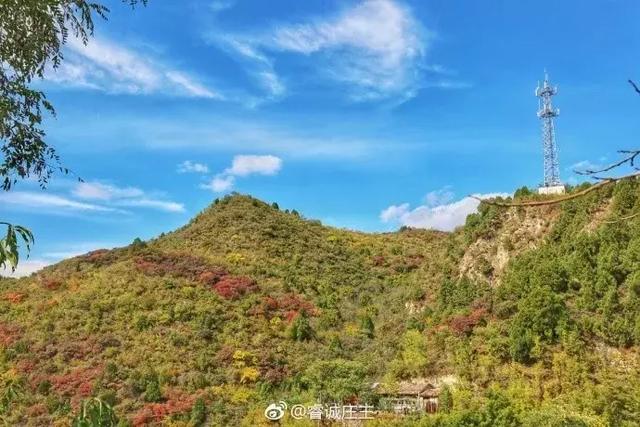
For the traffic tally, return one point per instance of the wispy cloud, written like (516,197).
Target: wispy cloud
(443,217)
(192,167)
(376,49)
(50,202)
(221,5)
(585,165)
(259,66)
(88,197)
(107,66)
(123,197)
(99,191)
(161,205)
(242,166)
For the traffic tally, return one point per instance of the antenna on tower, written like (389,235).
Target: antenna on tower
(547,113)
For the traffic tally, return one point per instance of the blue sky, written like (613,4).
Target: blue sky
(366,115)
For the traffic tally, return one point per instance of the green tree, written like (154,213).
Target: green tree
(32,35)
(95,413)
(301,328)
(445,400)
(336,380)
(199,412)
(367,327)
(152,392)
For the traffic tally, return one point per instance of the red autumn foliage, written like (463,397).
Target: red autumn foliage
(50,283)
(177,402)
(178,265)
(212,276)
(233,287)
(9,334)
(197,270)
(77,384)
(14,297)
(100,257)
(287,306)
(464,324)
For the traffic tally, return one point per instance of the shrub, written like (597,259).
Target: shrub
(301,328)
(464,324)
(233,287)
(14,297)
(199,413)
(152,392)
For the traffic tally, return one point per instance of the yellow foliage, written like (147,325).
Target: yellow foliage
(249,375)
(352,330)
(235,258)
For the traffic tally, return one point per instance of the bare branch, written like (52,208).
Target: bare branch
(561,199)
(635,87)
(630,159)
(624,218)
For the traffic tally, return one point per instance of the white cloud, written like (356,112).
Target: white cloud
(152,203)
(26,268)
(105,65)
(49,201)
(244,165)
(191,87)
(220,5)
(443,217)
(241,166)
(220,183)
(585,165)
(439,197)
(192,167)
(109,198)
(394,212)
(376,48)
(99,191)
(123,196)
(261,67)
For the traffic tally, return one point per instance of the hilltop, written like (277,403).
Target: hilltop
(534,311)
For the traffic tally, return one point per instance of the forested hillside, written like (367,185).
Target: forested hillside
(534,310)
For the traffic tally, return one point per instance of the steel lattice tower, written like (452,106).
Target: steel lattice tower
(547,113)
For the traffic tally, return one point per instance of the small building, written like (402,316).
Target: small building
(552,189)
(405,397)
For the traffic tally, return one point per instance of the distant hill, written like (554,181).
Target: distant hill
(535,312)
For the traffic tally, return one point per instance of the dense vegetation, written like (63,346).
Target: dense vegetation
(535,311)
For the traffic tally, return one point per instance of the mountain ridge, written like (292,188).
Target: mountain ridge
(248,304)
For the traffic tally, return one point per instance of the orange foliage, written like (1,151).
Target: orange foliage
(14,297)
(77,384)
(9,334)
(50,283)
(287,306)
